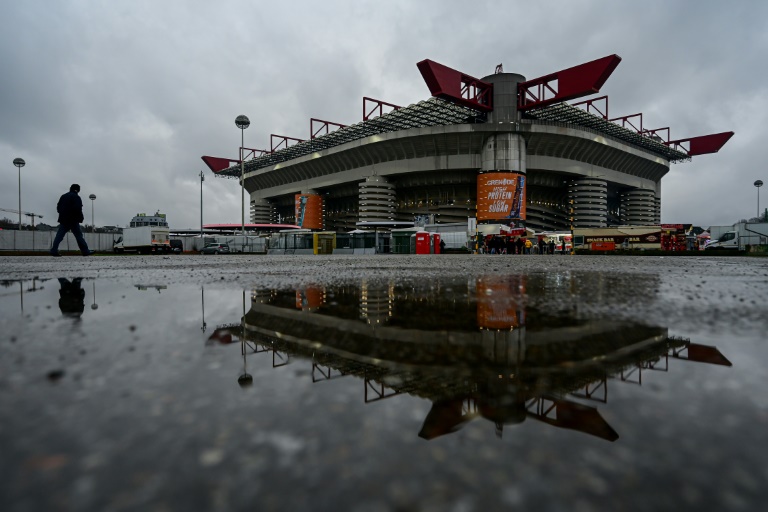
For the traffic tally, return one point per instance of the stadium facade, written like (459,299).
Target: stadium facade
(501,149)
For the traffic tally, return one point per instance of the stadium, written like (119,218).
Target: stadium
(502,149)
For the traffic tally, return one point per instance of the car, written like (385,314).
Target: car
(177,246)
(215,248)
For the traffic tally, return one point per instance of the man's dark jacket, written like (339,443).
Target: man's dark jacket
(70,208)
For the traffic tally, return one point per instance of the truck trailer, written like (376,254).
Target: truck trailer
(144,240)
(738,237)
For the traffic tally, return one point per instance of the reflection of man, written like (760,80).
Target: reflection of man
(71,297)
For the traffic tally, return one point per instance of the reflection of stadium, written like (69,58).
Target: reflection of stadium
(498,148)
(488,355)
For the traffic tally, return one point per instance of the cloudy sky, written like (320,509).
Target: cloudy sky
(125,96)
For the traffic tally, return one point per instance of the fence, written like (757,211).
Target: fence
(41,241)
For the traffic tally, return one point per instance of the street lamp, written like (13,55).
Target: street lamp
(92,197)
(758,184)
(19,162)
(202,179)
(242,122)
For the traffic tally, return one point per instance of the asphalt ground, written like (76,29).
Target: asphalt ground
(132,400)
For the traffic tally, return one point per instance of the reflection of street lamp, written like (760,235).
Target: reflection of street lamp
(758,184)
(242,122)
(245,380)
(94,306)
(92,197)
(202,293)
(202,179)
(19,162)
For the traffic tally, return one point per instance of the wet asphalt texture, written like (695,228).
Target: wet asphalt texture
(126,409)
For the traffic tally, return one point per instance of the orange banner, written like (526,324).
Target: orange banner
(500,196)
(309,211)
(500,302)
(309,298)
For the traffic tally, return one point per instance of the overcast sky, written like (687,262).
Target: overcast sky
(125,96)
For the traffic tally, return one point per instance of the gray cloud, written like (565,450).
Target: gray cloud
(124,97)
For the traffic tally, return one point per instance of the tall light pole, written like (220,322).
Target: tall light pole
(242,122)
(19,162)
(758,184)
(202,179)
(92,197)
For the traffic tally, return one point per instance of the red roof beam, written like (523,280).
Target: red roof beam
(654,134)
(702,145)
(568,84)
(253,153)
(455,86)
(323,124)
(282,139)
(217,164)
(378,104)
(625,120)
(590,105)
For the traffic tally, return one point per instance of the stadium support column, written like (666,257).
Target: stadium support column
(262,211)
(639,207)
(376,200)
(501,182)
(589,199)
(309,209)
(501,187)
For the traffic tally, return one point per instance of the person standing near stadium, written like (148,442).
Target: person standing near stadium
(70,208)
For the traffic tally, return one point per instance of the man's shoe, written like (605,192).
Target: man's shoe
(89,253)
(56,255)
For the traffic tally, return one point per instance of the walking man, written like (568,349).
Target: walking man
(70,208)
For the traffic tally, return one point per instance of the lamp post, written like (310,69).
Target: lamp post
(202,179)
(758,184)
(242,122)
(19,162)
(92,197)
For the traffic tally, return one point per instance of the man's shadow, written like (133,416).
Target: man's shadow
(71,297)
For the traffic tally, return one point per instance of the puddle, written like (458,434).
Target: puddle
(505,376)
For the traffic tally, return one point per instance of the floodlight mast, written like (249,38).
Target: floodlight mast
(758,184)
(92,197)
(202,179)
(242,122)
(19,162)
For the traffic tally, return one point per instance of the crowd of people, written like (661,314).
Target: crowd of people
(499,244)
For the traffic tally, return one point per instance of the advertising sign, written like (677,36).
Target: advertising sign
(501,196)
(499,302)
(618,239)
(309,211)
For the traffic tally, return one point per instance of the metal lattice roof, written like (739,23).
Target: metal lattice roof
(565,113)
(438,112)
(431,112)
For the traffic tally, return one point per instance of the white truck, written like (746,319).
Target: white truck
(738,237)
(144,240)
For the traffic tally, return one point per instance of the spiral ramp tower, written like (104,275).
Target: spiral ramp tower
(262,212)
(639,207)
(590,202)
(377,200)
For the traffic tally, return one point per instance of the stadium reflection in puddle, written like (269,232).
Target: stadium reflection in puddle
(477,349)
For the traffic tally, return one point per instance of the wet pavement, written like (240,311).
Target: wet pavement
(378,383)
